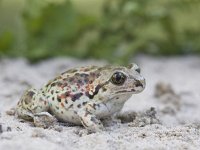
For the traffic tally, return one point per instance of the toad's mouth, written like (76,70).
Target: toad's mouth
(129,91)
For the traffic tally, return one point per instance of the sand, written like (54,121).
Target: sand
(172,123)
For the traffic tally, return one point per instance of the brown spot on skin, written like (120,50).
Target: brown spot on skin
(83,123)
(86,69)
(80,82)
(53,98)
(104,89)
(84,103)
(66,101)
(67,94)
(63,96)
(93,119)
(133,90)
(129,66)
(88,95)
(57,78)
(79,105)
(53,84)
(75,112)
(69,107)
(48,84)
(87,87)
(59,84)
(93,106)
(94,93)
(86,80)
(77,74)
(97,88)
(31,93)
(62,105)
(86,113)
(71,79)
(65,84)
(93,74)
(84,75)
(76,96)
(58,99)
(52,92)
(98,105)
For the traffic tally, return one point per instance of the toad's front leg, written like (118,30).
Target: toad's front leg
(89,120)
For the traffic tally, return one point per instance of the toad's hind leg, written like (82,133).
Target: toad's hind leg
(25,103)
(33,105)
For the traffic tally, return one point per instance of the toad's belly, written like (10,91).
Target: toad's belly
(69,116)
(69,113)
(66,115)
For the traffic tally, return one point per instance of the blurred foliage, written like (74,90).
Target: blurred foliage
(114,30)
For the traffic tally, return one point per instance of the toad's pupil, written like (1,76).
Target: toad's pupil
(118,76)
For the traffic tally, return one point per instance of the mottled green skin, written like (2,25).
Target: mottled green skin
(82,95)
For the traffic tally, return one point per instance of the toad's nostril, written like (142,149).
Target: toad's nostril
(138,83)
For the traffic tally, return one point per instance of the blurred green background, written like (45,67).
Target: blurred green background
(114,30)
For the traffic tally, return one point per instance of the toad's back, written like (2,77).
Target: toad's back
(70,91)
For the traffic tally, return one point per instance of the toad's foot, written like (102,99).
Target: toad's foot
(90,122)
(11,112)
(44,120)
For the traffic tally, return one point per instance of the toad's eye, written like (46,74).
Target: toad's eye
(118,78)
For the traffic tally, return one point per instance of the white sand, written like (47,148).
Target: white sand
(179,128)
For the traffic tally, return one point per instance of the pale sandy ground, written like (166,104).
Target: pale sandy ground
(179,126)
